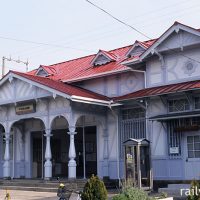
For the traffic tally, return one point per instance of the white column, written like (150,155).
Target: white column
(105,154)
(48,156)
(6,165)
(72,154)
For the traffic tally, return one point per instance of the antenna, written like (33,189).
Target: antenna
(12,60)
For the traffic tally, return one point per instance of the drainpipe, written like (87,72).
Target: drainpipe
(145,77)
(118,165)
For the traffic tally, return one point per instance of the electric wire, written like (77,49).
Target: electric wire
(135,29)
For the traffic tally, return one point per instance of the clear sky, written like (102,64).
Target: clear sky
(83,28)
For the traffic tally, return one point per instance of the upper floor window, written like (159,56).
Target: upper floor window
(197,102)
(133,113)
(178,105)
(193,145)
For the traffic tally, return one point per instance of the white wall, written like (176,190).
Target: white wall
(174,69)
(116,85)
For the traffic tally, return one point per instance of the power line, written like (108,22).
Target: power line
(135,29)
(44,44)
(84,39)
(119,20)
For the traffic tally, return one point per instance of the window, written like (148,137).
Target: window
(133,113)
(193,145)
(197,102)
(178,105)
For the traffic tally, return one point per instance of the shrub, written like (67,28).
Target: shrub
(94,189)
(194,186)
(132,194)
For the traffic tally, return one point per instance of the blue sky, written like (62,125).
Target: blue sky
(83,28)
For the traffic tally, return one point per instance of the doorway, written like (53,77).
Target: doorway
(38,149)
(86,151)
(59,148)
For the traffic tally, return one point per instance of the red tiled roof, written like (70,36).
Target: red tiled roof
(81,68)
(62,87)
(161,90)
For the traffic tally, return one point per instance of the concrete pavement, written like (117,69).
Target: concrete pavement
(29,195)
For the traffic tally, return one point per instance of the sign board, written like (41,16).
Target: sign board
(25,109)
(174,150)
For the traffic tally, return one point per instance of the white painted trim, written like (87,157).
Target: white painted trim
(99,75)
(135,45)
(40,69)
(100,53)
(175,27)
(11,74)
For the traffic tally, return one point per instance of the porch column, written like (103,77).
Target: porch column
(6,164)
(72,154)
(105,154)
(48,156)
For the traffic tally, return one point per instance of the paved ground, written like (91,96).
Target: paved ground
(28,195)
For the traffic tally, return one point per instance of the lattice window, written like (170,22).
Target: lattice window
(134,113)
(178,105)
(174,138)
(131,128)
(193,145)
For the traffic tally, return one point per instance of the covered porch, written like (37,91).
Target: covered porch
(45,133)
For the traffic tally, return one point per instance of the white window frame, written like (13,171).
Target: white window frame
(187,150)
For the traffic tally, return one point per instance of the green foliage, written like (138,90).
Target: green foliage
(163,195)
(94,189)
(194,186)
(132,193)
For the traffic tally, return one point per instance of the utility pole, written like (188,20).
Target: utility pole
(12,60)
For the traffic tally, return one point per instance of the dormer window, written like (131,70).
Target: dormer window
(103,57)
(45,71)
(137,49)
(41,72)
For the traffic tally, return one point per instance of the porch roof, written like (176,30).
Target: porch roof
(166,117)
(64,88)
(161,90)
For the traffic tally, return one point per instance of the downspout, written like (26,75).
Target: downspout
(118,165)
(145,77)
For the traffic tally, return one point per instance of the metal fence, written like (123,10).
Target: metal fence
(131,128)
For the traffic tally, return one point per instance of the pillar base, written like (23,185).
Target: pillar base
(48,170)
(6,169)
(72,169)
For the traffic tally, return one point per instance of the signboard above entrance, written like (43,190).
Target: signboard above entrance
(25,109)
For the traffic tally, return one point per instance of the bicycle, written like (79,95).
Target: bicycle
(7,197)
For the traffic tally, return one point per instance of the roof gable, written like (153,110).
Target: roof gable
(175,28)
(41,72)
(55,88)
(137,49)
(103,57)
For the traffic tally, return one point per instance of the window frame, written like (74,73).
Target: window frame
(193,150)
(178,111)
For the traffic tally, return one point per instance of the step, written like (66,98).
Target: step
(38,189)
(172,192)
(41,185)
(179,186)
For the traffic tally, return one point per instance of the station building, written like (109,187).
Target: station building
(70,119)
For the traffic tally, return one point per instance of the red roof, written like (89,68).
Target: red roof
(161,90)
(63,87)
(81,68)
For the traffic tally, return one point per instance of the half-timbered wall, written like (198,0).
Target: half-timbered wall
(116,85)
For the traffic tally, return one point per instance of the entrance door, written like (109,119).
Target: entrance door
(192,155)
(86,151)
(59,149)
(37,154)
(90,151)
